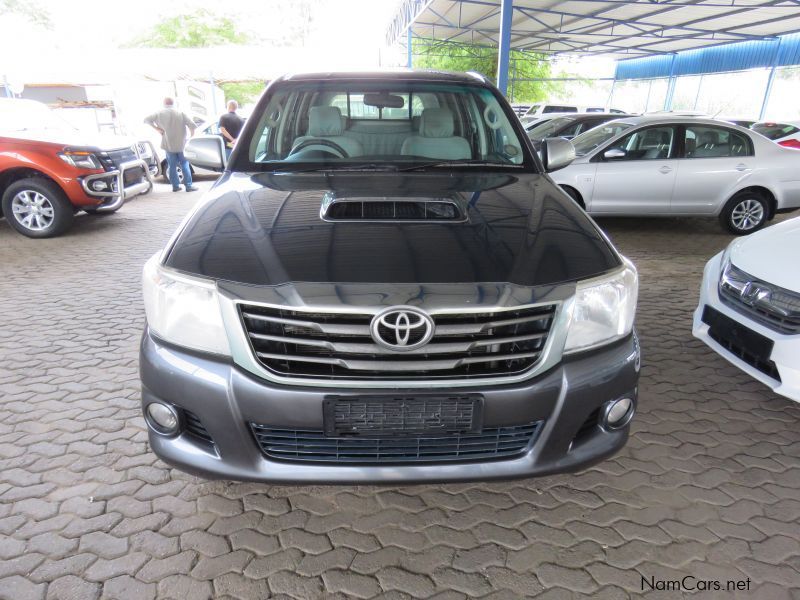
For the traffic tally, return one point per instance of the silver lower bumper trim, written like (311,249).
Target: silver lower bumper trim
(117,198)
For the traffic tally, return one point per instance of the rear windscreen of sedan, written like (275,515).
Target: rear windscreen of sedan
(396,122)
(775,131)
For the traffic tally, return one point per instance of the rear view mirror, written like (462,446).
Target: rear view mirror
(381,100)
(557,153)
(206,152)
(614,153)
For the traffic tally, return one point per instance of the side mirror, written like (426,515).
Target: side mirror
(557,153)
(206,152)
(614,154)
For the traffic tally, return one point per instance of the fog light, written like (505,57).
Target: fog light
(99,185)
(162,418)
(618,413)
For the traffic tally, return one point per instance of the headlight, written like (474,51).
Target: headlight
(603,310)
(183,310)
(81,160)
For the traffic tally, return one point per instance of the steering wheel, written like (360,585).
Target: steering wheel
(327,146)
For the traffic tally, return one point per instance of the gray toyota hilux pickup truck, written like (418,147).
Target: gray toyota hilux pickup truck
(385,286)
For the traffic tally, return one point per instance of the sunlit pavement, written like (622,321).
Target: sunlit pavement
(707,486)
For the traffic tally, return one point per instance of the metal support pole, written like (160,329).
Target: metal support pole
(671,85)
(409,60)
(611,93)
(697,96)
(513,80)
(770,81)
(213,93)
(504,51)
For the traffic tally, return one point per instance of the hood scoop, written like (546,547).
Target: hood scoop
(391,209)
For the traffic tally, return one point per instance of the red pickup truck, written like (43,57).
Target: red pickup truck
(49,170)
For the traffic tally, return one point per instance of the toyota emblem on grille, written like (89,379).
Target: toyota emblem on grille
(401,328)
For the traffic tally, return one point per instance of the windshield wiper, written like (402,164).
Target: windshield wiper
(394,168)
(455,163)
(338,167)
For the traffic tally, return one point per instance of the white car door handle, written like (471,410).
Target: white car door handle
(665,169)
(741,167)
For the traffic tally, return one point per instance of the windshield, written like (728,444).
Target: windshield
(549,128)
(587,142)
(22,115)
(342,124)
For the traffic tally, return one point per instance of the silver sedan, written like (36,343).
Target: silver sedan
(682,166)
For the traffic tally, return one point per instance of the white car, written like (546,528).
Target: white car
(749,310)
(542,109)
(785,133)
(671,166)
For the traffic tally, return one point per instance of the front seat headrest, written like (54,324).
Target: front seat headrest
(709,138)
(436,123)
(324,121)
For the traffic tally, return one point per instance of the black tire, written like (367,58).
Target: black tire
(573,193)
(165,173)
(56,209)
(745,213)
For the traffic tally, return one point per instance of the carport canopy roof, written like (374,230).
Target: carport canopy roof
(621,29)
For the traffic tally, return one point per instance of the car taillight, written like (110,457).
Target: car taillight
(792,143)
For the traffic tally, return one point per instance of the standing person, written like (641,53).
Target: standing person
(230,125)
(172,125)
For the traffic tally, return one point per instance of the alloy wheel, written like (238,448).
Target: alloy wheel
(747,215)
(33,210)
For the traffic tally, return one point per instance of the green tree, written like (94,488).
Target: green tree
(201,29)
(528,71)
(244,92)
(28,9)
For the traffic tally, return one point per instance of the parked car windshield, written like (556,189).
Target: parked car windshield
(343,124)
(587,142)
(549,128)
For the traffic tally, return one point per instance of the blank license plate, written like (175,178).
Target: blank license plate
(398,415)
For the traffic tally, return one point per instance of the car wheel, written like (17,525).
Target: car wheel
(573,193)
(165,173)
(37,208)
(745,213)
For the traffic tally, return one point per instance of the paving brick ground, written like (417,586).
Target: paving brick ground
(708,485)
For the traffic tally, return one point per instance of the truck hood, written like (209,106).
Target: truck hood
(72,137)
(267,229)
(771,254)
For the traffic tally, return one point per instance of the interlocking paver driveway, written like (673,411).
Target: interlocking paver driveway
(708,485)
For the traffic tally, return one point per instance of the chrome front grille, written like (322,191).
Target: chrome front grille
(339,345)
(113,159)
(772,306)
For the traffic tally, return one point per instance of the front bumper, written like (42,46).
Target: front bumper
(785,351)
(117,192)
(226,399)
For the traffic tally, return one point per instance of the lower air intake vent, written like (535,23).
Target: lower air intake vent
(312,445)
(195,427)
